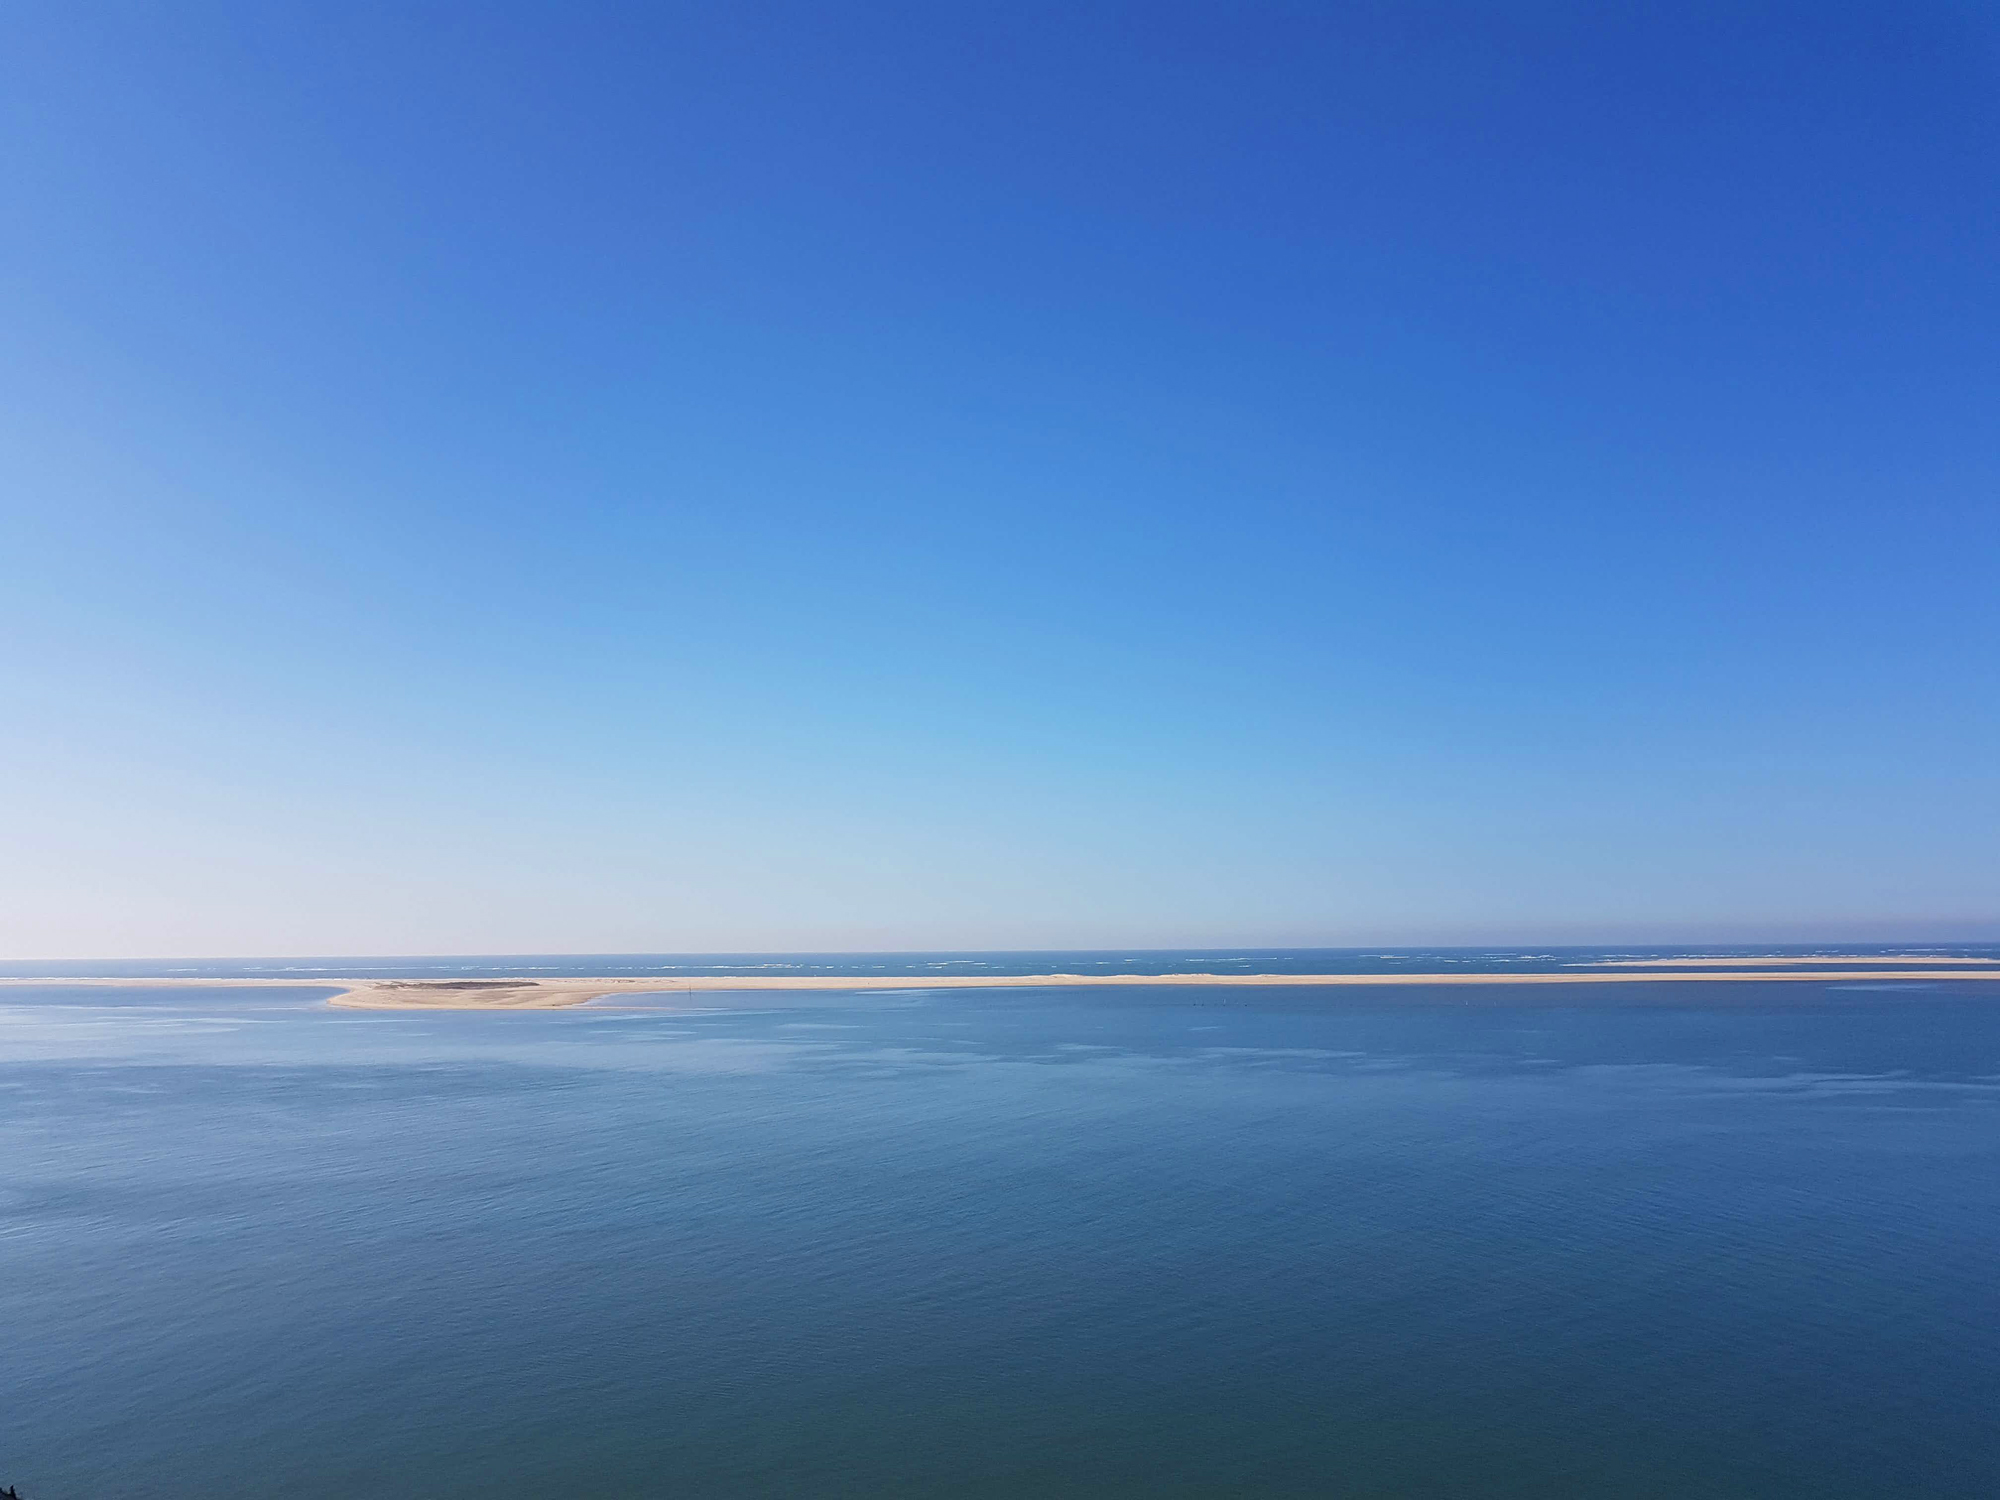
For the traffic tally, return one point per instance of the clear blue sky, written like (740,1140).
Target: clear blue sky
(585,478)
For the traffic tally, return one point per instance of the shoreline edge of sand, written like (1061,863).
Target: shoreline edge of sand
(508,993)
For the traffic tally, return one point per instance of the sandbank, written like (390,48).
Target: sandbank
(1933,960)
(558,993)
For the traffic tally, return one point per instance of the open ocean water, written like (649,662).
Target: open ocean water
(1662,1239)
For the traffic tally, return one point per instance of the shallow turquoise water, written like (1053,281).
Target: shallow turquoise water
(1681,1240)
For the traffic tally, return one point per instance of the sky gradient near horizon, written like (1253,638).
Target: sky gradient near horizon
(655,478)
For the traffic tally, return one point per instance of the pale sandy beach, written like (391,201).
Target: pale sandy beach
(1921,961)
(554,994)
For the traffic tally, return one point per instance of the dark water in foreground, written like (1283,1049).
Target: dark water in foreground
(1705,1241)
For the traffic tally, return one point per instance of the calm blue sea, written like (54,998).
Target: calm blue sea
(1661,1239)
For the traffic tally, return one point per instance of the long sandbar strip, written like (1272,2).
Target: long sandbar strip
(544,994)
(554,994)
(1777,963)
